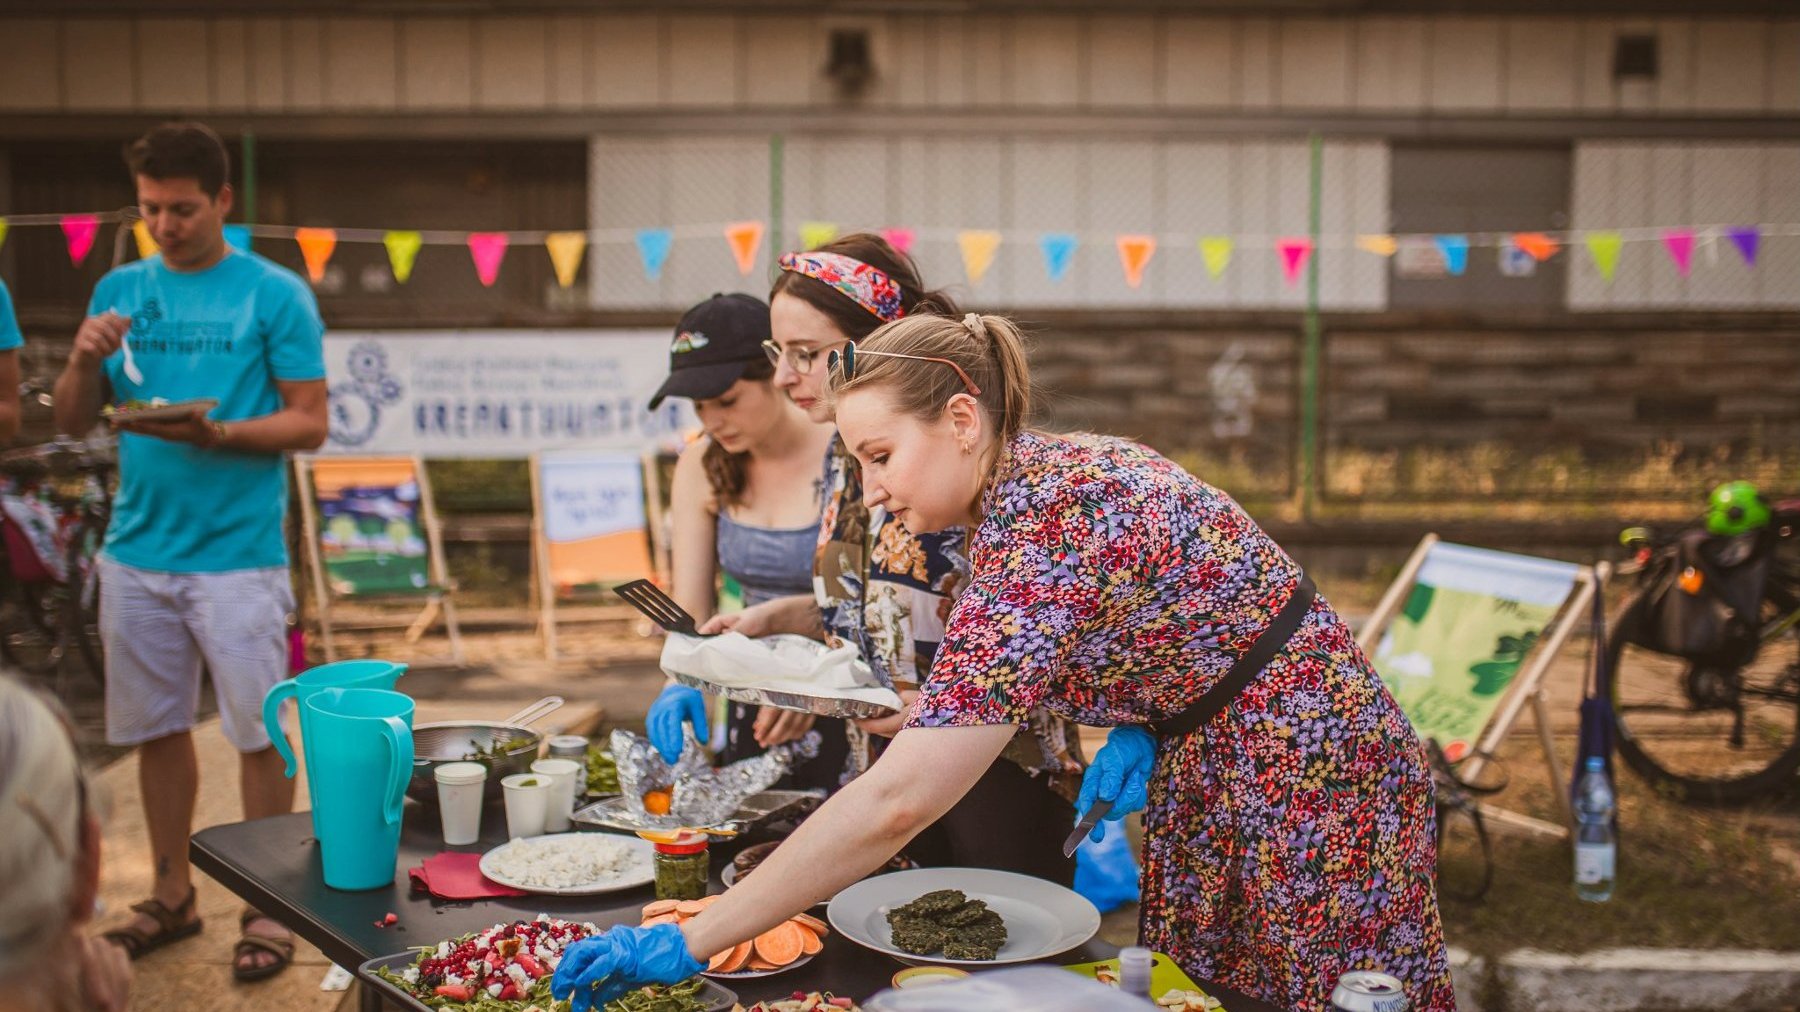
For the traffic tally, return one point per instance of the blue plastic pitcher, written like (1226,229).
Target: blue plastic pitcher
(369,674)
(360,753)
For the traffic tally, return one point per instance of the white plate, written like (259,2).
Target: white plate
(639,870)
(162,412)
(1042,918)
(751,974)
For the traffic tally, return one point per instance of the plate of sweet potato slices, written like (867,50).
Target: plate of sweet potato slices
(792,943)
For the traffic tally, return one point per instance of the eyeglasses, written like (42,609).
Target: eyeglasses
(847,361)
(798,359)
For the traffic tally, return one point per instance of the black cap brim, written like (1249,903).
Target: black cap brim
(701,381)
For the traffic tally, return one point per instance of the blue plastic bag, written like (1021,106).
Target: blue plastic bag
(1107,872)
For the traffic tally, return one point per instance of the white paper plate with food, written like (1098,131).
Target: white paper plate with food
(968,917)
(571,864)
(788,672)
(156,410)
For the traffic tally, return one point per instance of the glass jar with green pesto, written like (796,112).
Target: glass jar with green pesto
(682,867)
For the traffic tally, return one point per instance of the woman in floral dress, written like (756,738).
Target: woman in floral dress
(1289,836)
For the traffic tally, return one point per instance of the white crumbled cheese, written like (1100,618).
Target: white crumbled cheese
(564,862)
(553,961)
(443,949)
(410,975)
(517,973)
(494,990)
(543,918)
(451,978)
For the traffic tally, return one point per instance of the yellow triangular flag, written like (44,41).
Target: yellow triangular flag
(1216,251)
(1135,252)
(977,252)
(565,254)
(744,237)
(3,227)
(814,234)
(1604,248)
(1380,245)
(147,246)
(403,249)
(316,245)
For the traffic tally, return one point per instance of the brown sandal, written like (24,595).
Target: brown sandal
(171,926)
(281,948)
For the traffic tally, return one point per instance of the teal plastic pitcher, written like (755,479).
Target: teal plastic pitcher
(360,753)
(369,674)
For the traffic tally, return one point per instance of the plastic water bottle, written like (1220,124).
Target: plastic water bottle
(1596,846)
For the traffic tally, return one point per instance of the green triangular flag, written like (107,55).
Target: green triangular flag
(1604,248)
(1216,251)
(3,228)
(402,248)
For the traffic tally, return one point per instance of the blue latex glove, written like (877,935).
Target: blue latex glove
(597,970)
(674,705)
(1120,773)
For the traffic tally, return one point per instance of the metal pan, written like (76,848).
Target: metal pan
(717,997)
(443,742)
(824,706)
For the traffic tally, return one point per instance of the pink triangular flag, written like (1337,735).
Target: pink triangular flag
(1680,244)
(1294,252)
(487,249)
(899,238)
(79,231)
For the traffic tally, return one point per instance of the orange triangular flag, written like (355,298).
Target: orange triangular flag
(316,245)
(1135,252)
(745,238)
(1536,244)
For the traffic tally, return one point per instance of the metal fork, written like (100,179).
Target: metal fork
(659,607)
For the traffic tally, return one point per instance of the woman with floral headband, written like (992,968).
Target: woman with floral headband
(889,591)
(1290,830)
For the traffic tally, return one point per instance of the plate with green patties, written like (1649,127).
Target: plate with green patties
(968,917)
(156,409)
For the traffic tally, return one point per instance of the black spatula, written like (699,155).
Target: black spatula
(659,607)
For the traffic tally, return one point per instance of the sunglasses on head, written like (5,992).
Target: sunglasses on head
(845,363)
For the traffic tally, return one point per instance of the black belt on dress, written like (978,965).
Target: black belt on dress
(1247,667)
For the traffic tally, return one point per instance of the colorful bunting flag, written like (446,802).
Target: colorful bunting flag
(1455,249)
(814,234)
(745,238)
(402,250)
(146,244)
(316,245)
(1294,250)
(238,236)
(79,231)
(487,249)
(1059,250)
(1745,238)
(978,248)
(1135,252)
(1380,245)
(1680,244)
(3,228)
(899,238)
(1536,245)
(565,250)
(1216,251)
(1604,248)
(653,245)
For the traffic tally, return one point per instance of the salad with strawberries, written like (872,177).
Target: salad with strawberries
(508,967)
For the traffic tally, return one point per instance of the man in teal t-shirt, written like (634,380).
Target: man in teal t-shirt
(194,572)
(11,340)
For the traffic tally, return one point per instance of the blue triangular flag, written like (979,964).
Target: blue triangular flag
(1059,249)
(238,236)
(1456,252)
(653,247)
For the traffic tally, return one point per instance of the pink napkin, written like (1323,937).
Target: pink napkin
(455,876)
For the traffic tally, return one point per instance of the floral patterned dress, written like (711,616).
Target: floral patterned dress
(1290,838)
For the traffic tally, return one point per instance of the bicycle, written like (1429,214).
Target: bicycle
(1705,653)
(57,502)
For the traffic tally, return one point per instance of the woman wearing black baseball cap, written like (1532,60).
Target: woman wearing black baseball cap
(745,502)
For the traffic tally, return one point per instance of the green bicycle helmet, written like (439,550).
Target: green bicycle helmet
(1736,507)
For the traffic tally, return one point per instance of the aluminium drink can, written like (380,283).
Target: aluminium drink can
(1368,991)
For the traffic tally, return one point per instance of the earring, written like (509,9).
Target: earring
(967,448)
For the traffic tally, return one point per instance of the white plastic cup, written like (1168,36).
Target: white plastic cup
(527,802)
(568,746)
(563,774)
(459,787)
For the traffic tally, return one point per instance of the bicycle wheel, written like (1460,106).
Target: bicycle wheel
(1707,734)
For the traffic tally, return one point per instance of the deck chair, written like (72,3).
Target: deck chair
(591,527)
(1463,639)
(372,535)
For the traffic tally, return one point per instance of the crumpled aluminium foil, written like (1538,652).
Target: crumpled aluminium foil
(699,794)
